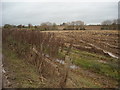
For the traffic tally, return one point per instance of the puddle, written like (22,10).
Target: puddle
(60,61)
(63,62)
(73,66)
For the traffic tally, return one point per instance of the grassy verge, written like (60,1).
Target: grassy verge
(21,73)
(90,61)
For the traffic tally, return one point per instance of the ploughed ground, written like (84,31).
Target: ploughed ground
(94,63)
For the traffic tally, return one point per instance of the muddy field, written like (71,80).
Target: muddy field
(104,42)
(65,59)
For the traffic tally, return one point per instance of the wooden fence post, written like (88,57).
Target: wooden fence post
(65,72)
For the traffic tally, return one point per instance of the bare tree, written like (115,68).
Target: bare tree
(46,24)
(79,23)
(20,26)
(30,25)
(7,26)
(109,24)
(115,21)
(106,22)
(75,25)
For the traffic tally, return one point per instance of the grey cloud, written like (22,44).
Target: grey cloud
(36,13)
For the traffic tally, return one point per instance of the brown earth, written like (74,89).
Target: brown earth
(78,78)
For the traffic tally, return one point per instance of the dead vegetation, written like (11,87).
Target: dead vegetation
(43,49)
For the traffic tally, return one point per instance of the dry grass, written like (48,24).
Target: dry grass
(42,48)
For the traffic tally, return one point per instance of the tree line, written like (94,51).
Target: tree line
(43,26)
(74,25)
(110,24)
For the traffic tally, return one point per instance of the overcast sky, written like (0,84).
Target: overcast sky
(58,12)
